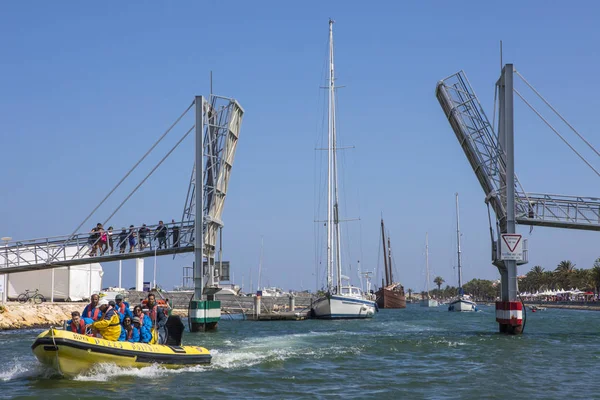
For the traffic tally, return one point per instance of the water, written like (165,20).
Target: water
(416,353)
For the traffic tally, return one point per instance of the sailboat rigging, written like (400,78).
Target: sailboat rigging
(427,302)
(463,301)
(339,301)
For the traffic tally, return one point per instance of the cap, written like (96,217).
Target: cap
(136,319)
(119,297)
(103,301)
(112,303)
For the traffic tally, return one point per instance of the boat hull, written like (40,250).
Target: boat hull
(71,354)
(462,305)
(389,298)
(428,303)
(343,307)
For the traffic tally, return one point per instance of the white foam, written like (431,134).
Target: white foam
(20,369)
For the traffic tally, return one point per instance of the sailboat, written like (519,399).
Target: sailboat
(339,301)
(428,302)
(463,301)
(391,294)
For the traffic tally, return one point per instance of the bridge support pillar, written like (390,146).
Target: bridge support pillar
(509,315)
(139,274)
(204,315)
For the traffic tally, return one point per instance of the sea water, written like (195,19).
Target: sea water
(415,353)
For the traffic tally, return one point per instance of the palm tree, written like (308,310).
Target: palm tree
(537,270)
(438,281)
(565,266)
(596,274)
(410,292)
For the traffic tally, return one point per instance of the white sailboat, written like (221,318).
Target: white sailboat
(340,302)
(428,302)
(463,302)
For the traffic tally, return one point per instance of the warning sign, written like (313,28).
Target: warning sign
(511,247)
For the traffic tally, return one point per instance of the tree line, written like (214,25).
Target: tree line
(565,276)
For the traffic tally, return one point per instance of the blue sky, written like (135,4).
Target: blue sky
(87,88)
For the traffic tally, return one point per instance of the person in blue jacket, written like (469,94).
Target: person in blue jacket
(145,335)
(129,333)
(122,307)
(92,310)
(144,319)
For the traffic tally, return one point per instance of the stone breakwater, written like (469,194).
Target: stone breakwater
(19,316)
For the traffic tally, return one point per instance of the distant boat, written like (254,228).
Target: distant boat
(463,302)
(428,302)
(391,294)
(339,301)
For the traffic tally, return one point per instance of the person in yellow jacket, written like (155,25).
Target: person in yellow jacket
(109,325)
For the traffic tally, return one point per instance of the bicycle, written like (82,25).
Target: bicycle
(37,297)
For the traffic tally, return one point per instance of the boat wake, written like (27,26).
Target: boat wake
(19,369)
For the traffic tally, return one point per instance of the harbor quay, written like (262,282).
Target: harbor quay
(14,315)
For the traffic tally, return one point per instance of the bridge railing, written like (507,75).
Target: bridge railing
(561,211)
(61,249)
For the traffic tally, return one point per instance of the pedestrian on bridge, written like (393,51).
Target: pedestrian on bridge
(160,233)
(175,233)
(122,240)
(143,232)
(131,237)
(93,240)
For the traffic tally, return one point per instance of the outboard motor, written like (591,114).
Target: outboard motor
(175,330)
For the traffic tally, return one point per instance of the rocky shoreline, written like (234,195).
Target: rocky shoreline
(14,315)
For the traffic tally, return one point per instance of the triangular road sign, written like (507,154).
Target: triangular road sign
(512,241)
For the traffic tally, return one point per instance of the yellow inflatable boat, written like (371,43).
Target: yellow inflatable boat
(71,353)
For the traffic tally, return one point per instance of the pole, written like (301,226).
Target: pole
(220,243)
(385,264)
(329,160)
(427,261)
(90,295)
(199,217)
(511,265)
(458,244)
(5,275)
(260,263)
(52,288)
(120,269)
(154,276)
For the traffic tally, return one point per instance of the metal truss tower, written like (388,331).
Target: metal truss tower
(218,122)
(492,158)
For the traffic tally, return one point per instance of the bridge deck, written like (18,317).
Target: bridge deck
(64,251)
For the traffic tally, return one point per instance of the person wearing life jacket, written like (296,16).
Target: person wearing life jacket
(109,325)
(159,320)
(144,319)
(122,307)
(77,324)
(129,333)
(145,335)
(92,310)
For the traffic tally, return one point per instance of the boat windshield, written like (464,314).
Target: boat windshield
(351,291)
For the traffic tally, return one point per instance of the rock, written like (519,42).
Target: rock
(16,315)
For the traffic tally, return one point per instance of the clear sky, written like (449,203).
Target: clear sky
(86,88)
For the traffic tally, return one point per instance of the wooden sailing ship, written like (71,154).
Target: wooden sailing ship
(391,294)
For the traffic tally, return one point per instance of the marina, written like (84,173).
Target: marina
(192,211)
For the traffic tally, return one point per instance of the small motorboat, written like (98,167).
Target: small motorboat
(72,353)
(536,308)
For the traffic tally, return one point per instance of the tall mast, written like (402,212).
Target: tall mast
(329,160)
(458,243)
(260,262)
(332,190)
(427,262)
(387,278)
(390,259)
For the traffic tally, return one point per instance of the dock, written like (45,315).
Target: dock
(280,316)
